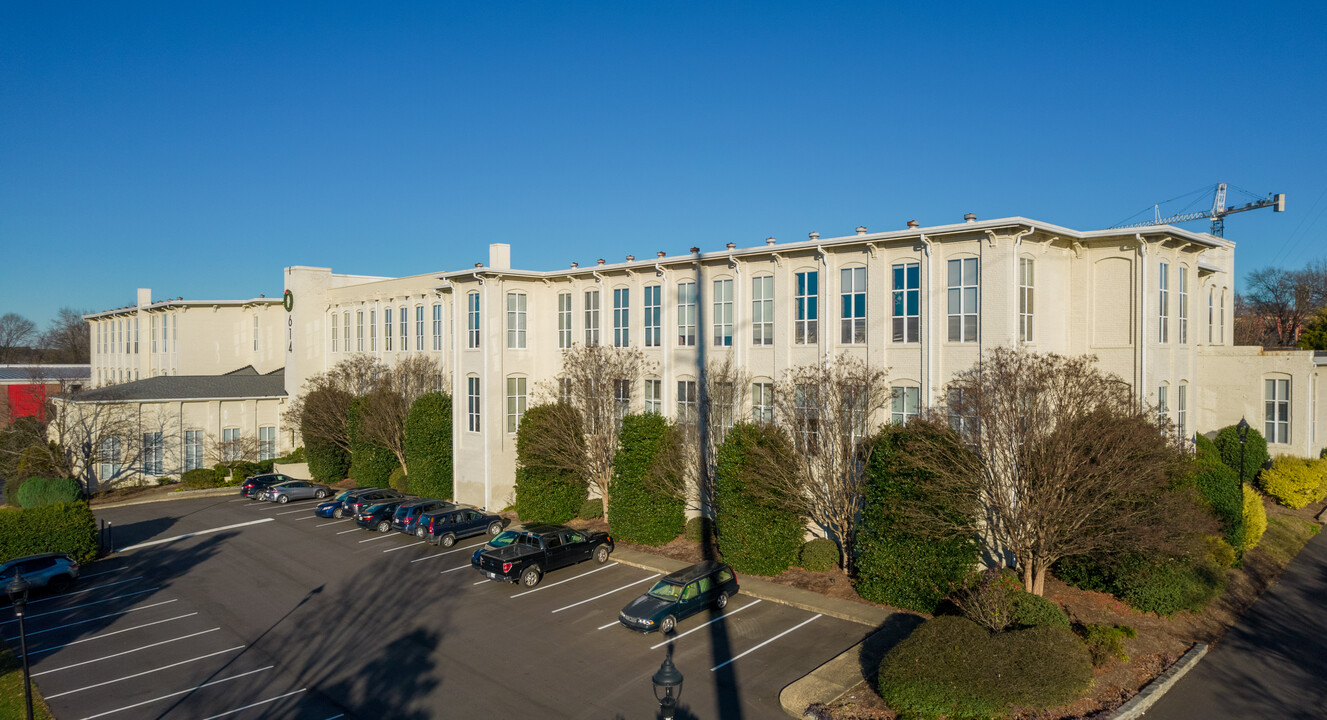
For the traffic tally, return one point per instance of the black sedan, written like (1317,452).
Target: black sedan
(378,516)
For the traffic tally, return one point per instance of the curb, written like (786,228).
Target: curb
(1140,703)
(183,495)
(826,683)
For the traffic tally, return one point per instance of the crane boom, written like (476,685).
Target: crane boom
(1218,212)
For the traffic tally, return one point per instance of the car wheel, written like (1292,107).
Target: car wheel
(722,601)
(60,583)
(338,513)
(283,499)
(420,533)
(448,540)
(494,528)
(531,577)
(320,494)
(384,526)
(667,624)
(601,554)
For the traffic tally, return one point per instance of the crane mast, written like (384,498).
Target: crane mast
(1217,213)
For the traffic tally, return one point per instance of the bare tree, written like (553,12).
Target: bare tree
(829,411)
(322,408)
(1276,303)
(240,448)
(16,334)
(686,463)
(68,338)
(1059,459)
(105,443)
(596,381)
(383,419)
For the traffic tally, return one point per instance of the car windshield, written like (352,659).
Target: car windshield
(343,494)
(665,590)
(508,537)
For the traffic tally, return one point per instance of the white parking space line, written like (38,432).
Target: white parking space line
(239,500)
(481,582)
(186,536)
(337,717)
(85,590)
(444,572)
(698,627)
(75,607)
(333,522)
(609,625)
(343,532)
(252,705)
(610,592)
(186,691)
(776,637)
(84,576)
(292,512)
(116,632)
(381,536)
(146,672)
(311,517)
(30,633)
(448,552)
(405,546)
(126,652)
(544,587)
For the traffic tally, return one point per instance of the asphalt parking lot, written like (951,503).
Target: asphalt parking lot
(232,608)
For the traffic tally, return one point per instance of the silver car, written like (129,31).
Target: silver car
(53,571)
(295,490)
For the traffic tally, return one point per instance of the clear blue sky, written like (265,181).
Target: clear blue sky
(198,147)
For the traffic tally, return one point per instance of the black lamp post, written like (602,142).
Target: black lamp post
(18,595)
(667,686)
(1243,428)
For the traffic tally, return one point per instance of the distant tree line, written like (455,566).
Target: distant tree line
(65,339)
(1283,308)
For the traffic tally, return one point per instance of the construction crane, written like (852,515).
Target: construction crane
(1217,213)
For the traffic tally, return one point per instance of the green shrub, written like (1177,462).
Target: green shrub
(1161,584)
(428,446)
(590,509)
(1105,642)
(893,566)
(1255,451)
(699,529)
(370,465)
(295,456)
(200,478)
(1219,487)
(757,535)
(328,463)
(1255,518)
(641,507)
(1294,482)
(819,555)
(12,484)
(66,527)
(1036,611)
(952,667)
(546,492)
(243,470)
(397,480)
(1083,571)
(221,472)
(40,491)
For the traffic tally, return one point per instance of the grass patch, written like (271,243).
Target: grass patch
(11,691)
(1285,537)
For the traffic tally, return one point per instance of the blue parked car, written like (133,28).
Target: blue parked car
(326,509)
(406,518)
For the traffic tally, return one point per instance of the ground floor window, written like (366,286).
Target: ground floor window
(267,441)
(1277,411)
(904,403)
(193,449)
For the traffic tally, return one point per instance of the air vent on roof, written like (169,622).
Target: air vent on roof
(913,224)
(970,217)
(861,229)
(731,246)
(661,253)
(695,250)
(575,264)
(813,235)
(770,241)
(631,258)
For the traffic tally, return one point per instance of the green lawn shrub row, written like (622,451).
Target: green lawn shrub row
(591,509)
(1163,584)
(756,535)
(1295,482)
(397,479)
(428,446)
(641,509)
(201,478)
(40,491)
(66,527)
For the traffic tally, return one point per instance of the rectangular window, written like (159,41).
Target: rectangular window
(403,322)
(806,419)
(1182,410)
(686,402)
(267,442)
(852,290)
(907,302)
(904,403)
(1184,305)
(762,402)
(621,399)
(653,315)
(515,402)
(335,324)
(515,323)
(153,454)
(255,333)
(1211,302)
(193,449)
(135,322)
(176,337)
(1163,304)
(346,336)
(686,314)
(723,313)
(1163,405)
(963,286)
(1221,319)
(807,300)
(437,326)
(472,320)
(564,320)
(1026,281)
(591,317)
(152,331)
(387,329)
(472,403)
(621,308)
(359,331)
(230,444)
(111,457)
(762,310)
(419,328)
(654,396)
(373,331)
(1277,412)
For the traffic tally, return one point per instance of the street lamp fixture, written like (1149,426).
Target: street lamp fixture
(667,686)
(18,595)
(1243,428)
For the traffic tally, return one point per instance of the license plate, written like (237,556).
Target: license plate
(493,576)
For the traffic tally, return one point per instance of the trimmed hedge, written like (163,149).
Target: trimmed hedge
(1219,487)
(40,491)
(699,529)
(67,527)
(591,509)
(1295,482)
(1162,584)
(952,667)
(200,478)
(756,536)
(893,566)
(1255,518)
(1255,451)
(428,446)
(546,494)
(819,555)
(370,465)
(295,456)
(639,511)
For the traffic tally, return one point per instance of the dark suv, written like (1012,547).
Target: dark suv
(254,485)
(357,502)
(378,516)
(679,595)
(406,517)
(445,527)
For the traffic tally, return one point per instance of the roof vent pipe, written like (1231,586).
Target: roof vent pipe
(695,250)
(479,264)
(913,223)
(970,217)
(731,246)
(631,258)
(861,229)
(575,264)
(769,241)
(813,235)
(661,253)
(601,261)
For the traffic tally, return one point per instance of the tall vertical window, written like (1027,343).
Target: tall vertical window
(762,310)
(193,449)
(359,331)
(472,320)
(419,328)
(852,316)
(723,313)
(621,399)
(686,314)
(591,317)
(515,323)
(807,301)
(654,396)
(437,326)
(135,321)
(1221,319)
(373,331)
(1182,411)
(346,336)
(153,454)
(1026,304)
(152,333)
(255,333)
(230,444)
(335,323)
(1277,411)
(762,402)
(904,403)
(174,333)
(1163,404)
(686,402)
(472,403)
(963,308)
(806,418)
(1184,305)
(564,320)
(907,281)
(266,442)
(515,402)
(403,323)
(112,450)
(387,329)
(621,319)
(653,315)
(1163,304)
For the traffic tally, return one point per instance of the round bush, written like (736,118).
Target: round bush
(397,480)
(590,509)
(641,509)
(1294,482)
(819,555)
(699,529)
(756,535)
(40,491)
(1166,585)
(1036,611)
(1255,518)
(200,478)
(1255,451)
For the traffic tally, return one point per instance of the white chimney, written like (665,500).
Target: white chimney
(499,256)
(144,297)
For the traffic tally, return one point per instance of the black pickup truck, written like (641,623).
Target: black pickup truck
(524,553)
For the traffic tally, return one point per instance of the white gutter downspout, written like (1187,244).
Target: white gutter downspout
(1143,338)
(822,334)
(737,303)
(484,416)
(1018,243)
(928,353)
(456,378)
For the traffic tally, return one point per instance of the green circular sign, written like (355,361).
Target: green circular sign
(288,301)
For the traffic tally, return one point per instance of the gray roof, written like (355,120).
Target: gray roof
(32,373)
(191,387)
